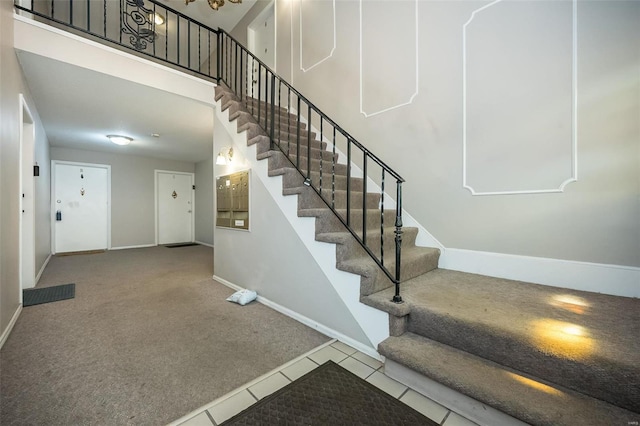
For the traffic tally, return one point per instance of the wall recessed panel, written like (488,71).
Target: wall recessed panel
(317,32)
(519,85)
(388,55)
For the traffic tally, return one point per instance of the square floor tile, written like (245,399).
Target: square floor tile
(387,384)
(327,353)
(356,367)
(344,348)
(424,405)
(269,385)
(200,420)
(457,420)
(231,406)
(371,362)
(299,369)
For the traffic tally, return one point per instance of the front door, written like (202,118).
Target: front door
(174,201)
(80,207)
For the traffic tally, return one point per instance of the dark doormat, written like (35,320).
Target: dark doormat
(181,245)
(38,296)
(329,395)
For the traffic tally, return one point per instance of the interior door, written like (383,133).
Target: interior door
(81,207)
(175,207)
(261,37)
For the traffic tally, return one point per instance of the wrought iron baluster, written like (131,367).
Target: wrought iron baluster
(209,53)
(333,171)
(88,15)
(288,121)
(188,44)
(321,150)
(382,219)
(199,45)
(242,80)
(235,80)
(273,108)
(348,181)
(364,197)
(307,181)
(178,40)
(279,108)
(298,136)
(71,12)
(398,231)
(259,89)
(104,18)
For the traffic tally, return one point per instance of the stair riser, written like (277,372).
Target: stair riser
(353,249)
(596,379)
(338,182)
(309,199)
(330,223)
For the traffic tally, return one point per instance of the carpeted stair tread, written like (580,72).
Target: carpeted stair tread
(579,340)
(524,397)
(415,262)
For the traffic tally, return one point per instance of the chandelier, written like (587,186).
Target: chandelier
(215,4)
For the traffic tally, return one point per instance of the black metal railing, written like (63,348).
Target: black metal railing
(147,27)
(282,112)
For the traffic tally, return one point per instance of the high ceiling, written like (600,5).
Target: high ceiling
(227,17)
(79,107)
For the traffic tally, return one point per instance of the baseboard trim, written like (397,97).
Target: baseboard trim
(132,247)
(614,280)
(44,265)
(7,331)
(327,331)
(204,244)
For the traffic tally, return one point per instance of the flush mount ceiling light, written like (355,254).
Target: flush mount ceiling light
(214,4)
(120,140)
(224,156)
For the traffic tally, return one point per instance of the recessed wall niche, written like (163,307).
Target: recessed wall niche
(232,200)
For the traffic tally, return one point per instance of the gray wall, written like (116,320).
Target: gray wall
(271,259)
(518,138)
(132,191)
(12,83)
(204,201)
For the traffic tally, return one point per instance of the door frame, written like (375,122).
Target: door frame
(156,201)
(27,135)
(54,163)
(270,9)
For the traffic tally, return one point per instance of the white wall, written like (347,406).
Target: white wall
(132,191)
(417,59)
(204,201)
(12,84)
(271,259)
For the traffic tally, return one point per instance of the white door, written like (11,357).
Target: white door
(80,207)
(261,42)
(174,201)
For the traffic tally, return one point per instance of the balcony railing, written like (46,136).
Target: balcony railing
(147,27)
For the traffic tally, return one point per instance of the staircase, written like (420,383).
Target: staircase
(543,355)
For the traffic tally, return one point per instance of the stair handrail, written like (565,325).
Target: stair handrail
(230,72)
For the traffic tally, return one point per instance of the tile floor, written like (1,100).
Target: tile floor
(358,363)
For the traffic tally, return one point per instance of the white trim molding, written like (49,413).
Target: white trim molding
(574,103)
(44,265)
(333,49)
(7,331)
(327,331)
(417,57)
(615,280)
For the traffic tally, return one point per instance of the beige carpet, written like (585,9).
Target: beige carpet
(147,339)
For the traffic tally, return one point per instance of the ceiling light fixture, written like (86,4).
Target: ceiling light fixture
(120,140)
(157,18)
(214,4)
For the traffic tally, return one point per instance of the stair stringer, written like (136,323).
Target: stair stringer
(373,322)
